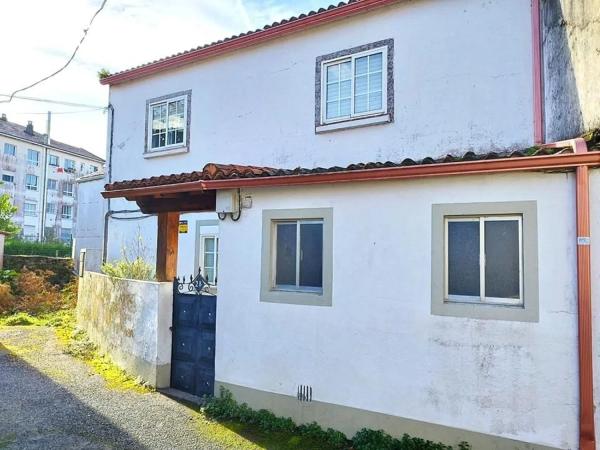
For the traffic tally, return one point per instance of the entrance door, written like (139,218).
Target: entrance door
(193,354)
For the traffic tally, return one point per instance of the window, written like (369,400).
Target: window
(52,185)
(210,251)
(33,157)
(29,209)
(297,256)
(94,168)
(484,260)
(66,234)
(29,232)
(68,189)
(69,165)
(31,182)
(50,208)
(67,212)
(354,84)
(10,149)
(8,178)
(167,123)
(53,160)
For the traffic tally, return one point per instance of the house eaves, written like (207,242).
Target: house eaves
(251,38)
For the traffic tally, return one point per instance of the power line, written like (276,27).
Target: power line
(56,102)
(85,32)
(63,112)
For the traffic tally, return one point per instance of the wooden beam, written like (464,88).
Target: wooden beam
(166,246)
(183,202)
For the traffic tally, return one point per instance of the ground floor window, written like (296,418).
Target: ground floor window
(297,256)
(484,260)
(210,255)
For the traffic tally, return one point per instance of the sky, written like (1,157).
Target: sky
(41,35)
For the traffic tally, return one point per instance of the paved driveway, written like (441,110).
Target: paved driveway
(51,400)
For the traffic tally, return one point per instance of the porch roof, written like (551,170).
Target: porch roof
(195,191)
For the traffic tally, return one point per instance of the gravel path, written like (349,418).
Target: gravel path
(51,400)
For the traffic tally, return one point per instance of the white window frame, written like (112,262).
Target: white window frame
(31,187)
(50,158)
(65,192)
(7,146)
(8,175)
(71,168)
(54,184)
(30,213)
(216,260)
(30,161)
(384,83)
(482,219)
(51,208)
(296,287)
(62,212)
(166,101)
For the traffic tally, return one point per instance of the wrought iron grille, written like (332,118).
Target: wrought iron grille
(196,284)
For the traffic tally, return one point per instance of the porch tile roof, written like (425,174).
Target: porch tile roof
(213,171)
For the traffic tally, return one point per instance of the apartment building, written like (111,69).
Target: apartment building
(39,174)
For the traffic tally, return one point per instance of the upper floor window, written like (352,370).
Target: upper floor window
(69,165)
(10,149)
(8,178)
(68,189)
(168,122)
(33,157)
(50,208)
(67,212)
(31,182)
(53,160)
(29,209)
(52,184)
(94,168)
(355,87)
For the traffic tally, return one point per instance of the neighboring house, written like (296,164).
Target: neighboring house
(89,229)
(423,272)
(40,178)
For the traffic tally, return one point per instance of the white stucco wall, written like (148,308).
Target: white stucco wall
(378,348)
(462,76)
(89,230)
(129,320)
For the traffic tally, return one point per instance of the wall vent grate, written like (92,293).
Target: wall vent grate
(304,393)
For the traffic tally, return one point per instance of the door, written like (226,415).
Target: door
(193,354)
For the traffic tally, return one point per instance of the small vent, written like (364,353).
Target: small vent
(304,393)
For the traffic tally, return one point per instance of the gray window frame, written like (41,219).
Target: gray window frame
(268,291)
(387,116)
(529,310)
(174,149)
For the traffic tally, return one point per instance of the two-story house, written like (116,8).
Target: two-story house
(374,188)
(39,174)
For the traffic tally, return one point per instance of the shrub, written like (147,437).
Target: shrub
(23,247)
(133,264)
(20,319)
(7,299)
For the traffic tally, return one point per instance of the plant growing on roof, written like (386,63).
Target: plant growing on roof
(103,73)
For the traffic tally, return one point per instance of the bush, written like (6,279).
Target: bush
(23,247)
(225,408)
(137,269)
(20,319)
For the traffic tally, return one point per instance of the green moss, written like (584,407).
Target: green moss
(7,439)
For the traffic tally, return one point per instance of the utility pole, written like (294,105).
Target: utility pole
(44,184)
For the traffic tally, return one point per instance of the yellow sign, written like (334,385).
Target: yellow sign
(183,226)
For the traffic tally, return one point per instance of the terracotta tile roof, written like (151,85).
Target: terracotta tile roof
(264,33)
(214,171)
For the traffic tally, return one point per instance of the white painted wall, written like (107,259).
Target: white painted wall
(462,73)
(378,347)
(89,231)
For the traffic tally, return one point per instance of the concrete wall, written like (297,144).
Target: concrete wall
(379,348)
(89,230)
(129,320)
(572,63)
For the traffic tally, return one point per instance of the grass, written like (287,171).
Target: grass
(76,343)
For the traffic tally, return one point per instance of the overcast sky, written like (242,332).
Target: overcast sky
(41,34)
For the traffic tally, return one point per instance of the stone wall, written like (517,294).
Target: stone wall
(130,321)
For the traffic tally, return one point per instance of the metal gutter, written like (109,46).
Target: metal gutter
(538,74)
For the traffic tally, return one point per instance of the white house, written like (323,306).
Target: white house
(39,174)
(428,269)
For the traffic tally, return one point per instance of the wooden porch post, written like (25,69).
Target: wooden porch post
(166,246)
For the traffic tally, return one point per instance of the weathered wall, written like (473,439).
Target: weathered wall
(129,320)
(89,230)
(572,63)
(379,348)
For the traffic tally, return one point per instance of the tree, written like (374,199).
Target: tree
(7,210)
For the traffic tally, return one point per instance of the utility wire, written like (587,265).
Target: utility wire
(63,112)
(56,102)
(85,32)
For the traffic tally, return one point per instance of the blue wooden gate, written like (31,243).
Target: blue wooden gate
(193,354)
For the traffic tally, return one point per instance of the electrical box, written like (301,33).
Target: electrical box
(228,201)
